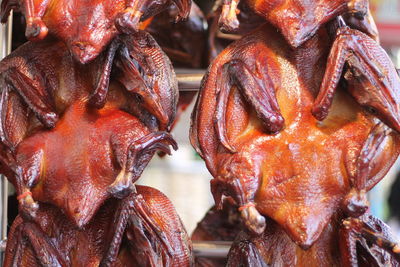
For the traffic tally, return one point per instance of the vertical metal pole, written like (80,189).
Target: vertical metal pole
(5,42)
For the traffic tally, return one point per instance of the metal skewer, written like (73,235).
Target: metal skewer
(189,80)
(5,40)
(208,249)
(211,249)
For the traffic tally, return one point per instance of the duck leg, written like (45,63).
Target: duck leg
(258,90)
(31,235)
(136,158)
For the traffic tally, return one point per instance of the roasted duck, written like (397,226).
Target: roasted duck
(67,157)
(254,127)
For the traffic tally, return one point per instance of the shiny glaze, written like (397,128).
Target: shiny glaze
(248,21)
(299,176)
(370,73)
(58,80)
(79,159)
(77,135)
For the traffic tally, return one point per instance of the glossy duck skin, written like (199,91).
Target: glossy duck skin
(87,27)
(275,248)
(217,41)
(365,239)
(370,72)
(361,239)
(87,158)
(52,240)
(65,88)
(33,75)
(248,20)
(297,20)
(286,176)
(145,71)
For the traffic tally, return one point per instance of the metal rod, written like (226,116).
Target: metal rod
(3,244)
(5,41)
(208,249)
(228,36)
(211,249)
(189,80)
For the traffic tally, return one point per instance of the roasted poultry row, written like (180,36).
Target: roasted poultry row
(296,120)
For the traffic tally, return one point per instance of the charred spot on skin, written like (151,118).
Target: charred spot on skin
(371,110)
(139,98)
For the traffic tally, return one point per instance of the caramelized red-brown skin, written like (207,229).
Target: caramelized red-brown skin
(80,158)
(73,165)
(297,20)
(248,21)
(370,74)
(299,176)
(86,246)
(86,27)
